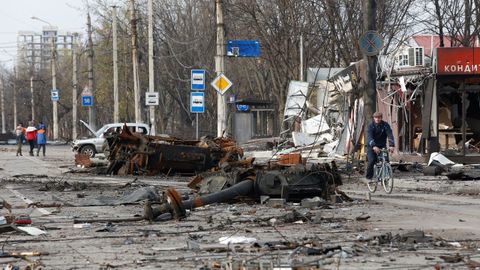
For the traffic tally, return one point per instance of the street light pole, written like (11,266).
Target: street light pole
(32,100)
(54,87)
(75,86)
(2,100)
(116,117)
(220,68)
(54,81)
(91,79)
(15,76)
(151,78)
(136,79)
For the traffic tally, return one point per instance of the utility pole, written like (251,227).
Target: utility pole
(54,87)
(32,100)
(2,96)
(301,58)
(91,82)
(116,118)
(32,73)
(370,93)
(151,78)
(15,120)
(136,82)
(75,85)
(220,68)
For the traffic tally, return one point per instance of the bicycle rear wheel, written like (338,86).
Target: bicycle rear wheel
(387,179)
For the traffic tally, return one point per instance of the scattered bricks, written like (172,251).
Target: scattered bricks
(275,202)
(83,160)
(290,159)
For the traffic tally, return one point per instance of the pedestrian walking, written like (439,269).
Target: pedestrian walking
(20,132)
(31,134)
(41,138)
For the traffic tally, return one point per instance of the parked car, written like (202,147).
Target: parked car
(94,145)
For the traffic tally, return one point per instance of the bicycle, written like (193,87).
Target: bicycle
(382,173)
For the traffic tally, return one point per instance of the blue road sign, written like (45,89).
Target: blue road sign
(87,101)
(370,43)
(198,79)
(243,48)
(54,95)
(242,108)
(197,102)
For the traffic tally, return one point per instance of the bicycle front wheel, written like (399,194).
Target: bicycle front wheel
(387,179)
(372,183)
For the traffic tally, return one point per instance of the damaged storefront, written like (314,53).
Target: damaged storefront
(322,113)
(454,125)
(429,111)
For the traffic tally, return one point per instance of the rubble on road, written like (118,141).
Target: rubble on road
(136,154)
(292,183)
(83,160)
(63,186)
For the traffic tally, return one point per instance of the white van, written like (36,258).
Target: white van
(94,145)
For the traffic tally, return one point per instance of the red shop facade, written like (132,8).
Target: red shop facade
(451,108)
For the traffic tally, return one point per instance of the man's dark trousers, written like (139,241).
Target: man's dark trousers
(372,159)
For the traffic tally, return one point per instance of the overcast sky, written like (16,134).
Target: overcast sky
(15,15)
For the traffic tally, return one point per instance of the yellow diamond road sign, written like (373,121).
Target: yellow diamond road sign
(221,83)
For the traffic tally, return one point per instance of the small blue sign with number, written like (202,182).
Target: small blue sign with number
(87,101)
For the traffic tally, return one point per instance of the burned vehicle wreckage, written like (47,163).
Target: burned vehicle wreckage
(221,172)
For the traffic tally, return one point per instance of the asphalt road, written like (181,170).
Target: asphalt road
(448,211)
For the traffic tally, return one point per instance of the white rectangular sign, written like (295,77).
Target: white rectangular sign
(151,99)
(197,102)
(198,79)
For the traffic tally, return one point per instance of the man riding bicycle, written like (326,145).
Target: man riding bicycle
(377,134)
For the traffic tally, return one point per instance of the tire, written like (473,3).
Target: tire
(372,186)
(387,179)
(88,150)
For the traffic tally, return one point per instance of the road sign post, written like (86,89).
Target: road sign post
(87,97)
(197,79)
(371,43)
(54,95)
(151,98)
(221,83)
(243,48)
(87,101)
(197,105)
(197,99)
(197,102)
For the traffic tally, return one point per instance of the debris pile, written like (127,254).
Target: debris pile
(83,160)
(132,153)
(241,179)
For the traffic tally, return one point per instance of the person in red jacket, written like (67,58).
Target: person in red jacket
(31,136)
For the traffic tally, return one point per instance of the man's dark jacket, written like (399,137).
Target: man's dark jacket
(377,135)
